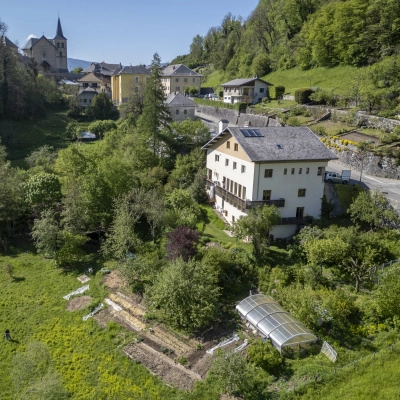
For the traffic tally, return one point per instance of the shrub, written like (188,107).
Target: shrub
(276,92)
(319,130)
(302,96)
(293,121)
(265,356)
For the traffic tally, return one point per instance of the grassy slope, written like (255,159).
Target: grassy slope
(325,78)
(88,358)
(26,136)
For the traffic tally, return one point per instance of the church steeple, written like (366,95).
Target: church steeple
(59,32)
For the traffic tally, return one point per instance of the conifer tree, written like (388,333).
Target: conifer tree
(156,116)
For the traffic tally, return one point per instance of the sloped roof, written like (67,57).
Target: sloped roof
(179,100)
(133,69)
(277,144)
(244,82)
(32,41)
(29,44)
(178,69)
(5,41)
(91,77)
(103,68)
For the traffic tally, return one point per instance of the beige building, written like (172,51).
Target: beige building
(175,78)
(281,166)
(180,107)
(50,54)
(127,80)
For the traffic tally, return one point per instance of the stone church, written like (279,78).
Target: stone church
(50,54)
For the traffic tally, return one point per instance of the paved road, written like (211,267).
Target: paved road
(391,187)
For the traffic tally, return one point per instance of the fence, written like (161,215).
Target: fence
(331,372)
(381,268)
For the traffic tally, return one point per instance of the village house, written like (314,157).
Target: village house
(180,107)
(281,166)
(248,90)
(127,80)
(177,77)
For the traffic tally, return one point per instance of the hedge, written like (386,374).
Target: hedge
(302,96)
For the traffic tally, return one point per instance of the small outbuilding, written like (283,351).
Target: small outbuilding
(267,316)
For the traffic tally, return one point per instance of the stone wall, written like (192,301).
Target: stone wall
(372,164)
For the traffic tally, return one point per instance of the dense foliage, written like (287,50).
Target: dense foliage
(285,33)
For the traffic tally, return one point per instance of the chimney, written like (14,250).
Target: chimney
(222,125)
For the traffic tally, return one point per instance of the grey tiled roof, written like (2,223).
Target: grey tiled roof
(282,143)
(30,43)
(133,69)
(5,41)
(244,82)
(178,69)
(179,100)
(103,68)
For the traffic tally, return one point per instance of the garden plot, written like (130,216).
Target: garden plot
(159,364)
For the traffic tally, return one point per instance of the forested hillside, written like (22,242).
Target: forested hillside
(282,34)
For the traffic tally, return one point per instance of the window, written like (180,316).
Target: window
(300,171)
(262,90)
(240,191)
(299,212)
(301,193)
(177,88)
(136,79)
(292,171)
(194,79)
(234,165)
(176,79)
(217,158)
(320,170)
(136,89)
(268,173)
(228,144)
(62,45)
(58,45)
(266,195)
(284,171)
(60,53)
(235,147)
(209,174)
(185,111)
(235,189)
(226,162)
(307,170)
(244,193)
(184,79)
(243,169)
(177,111)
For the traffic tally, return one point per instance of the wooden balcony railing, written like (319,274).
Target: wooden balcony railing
(241,203)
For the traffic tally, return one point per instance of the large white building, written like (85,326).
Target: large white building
(283,166)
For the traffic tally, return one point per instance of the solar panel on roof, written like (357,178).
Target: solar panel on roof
(251,133)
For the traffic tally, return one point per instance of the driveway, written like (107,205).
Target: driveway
(390,187)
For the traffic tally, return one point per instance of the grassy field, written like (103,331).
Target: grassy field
(22,137)
(325,78)
(88,358)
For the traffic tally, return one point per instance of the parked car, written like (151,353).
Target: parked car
(334,177)
(211,96)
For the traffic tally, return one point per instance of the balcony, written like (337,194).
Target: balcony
(241,203)
(277,203)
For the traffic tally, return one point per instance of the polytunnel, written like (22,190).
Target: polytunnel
(273,322)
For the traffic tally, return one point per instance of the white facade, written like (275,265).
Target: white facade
(295,187)
(245,90)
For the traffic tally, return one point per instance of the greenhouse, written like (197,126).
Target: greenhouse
(272,321)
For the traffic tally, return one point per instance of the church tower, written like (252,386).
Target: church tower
(60,43)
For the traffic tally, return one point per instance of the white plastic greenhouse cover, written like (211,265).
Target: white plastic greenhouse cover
(270,318)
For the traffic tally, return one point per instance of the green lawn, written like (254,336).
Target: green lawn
(89,359)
